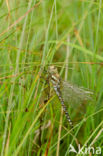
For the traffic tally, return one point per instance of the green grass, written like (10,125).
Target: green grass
(69,35)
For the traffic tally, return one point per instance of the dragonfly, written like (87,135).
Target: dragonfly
(66,92)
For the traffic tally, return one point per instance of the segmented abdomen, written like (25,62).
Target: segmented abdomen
(56,85)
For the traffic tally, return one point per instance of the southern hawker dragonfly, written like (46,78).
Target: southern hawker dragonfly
(65,91)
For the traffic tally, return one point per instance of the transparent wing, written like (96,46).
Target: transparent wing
(73,94)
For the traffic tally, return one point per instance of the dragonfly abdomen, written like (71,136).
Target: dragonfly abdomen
(66,112)
(58,92)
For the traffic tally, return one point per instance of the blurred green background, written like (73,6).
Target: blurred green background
(36,34)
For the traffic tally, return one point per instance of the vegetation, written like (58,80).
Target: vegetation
(33,36)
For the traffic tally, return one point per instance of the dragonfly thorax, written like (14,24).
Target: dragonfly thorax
(54,76)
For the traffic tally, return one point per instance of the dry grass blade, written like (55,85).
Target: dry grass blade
(18,20)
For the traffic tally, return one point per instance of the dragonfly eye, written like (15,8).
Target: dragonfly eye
(52,70)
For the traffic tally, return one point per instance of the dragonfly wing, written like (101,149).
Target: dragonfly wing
(73,94)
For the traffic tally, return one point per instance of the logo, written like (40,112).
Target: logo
(85,150)
(72,149)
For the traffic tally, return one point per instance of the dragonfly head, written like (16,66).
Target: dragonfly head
(52,70)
